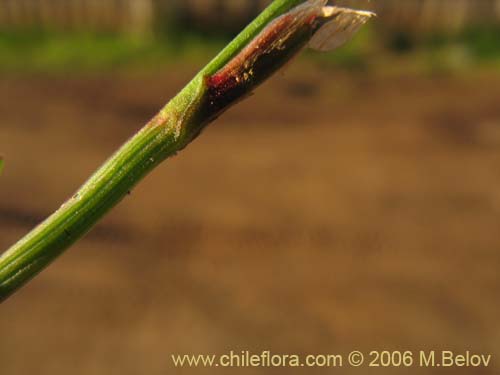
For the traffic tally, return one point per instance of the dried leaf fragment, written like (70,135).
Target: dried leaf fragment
(341,24)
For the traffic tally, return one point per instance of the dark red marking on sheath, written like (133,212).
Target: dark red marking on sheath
(249,54)
(263,55)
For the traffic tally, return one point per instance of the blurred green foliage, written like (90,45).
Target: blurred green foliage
(470,48)
(482,42)
(40,50)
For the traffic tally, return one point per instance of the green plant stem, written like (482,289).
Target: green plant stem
(169,132)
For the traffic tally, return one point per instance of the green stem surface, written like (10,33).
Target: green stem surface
(169,132)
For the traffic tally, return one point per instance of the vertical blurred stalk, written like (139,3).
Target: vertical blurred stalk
(220,84)
(141,17)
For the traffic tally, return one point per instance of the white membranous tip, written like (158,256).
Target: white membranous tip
(341,24)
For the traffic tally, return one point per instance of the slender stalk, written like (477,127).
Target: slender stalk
(270,41)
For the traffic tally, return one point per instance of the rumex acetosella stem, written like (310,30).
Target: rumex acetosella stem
(269,42)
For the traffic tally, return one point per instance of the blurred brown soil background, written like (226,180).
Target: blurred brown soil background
(330,212)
